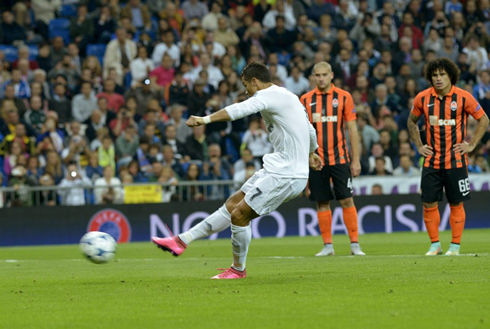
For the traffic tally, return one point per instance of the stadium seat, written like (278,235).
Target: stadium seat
(33,52)
(11,52)
(60,27)
(68,11)
(97,50)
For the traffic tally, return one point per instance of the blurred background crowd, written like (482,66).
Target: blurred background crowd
(96,92)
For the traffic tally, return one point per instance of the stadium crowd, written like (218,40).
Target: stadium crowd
(97,91)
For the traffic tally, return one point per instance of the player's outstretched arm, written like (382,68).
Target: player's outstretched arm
(221,115)
(413,130)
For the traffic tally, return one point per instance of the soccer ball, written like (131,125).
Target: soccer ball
(98,247)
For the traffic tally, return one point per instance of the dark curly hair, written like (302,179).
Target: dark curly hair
(256,70)
(445,64)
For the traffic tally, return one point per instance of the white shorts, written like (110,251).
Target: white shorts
(264,192)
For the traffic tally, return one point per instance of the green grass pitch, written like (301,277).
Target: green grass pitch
(393,287)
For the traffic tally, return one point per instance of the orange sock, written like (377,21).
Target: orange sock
(457,219)
(325,223)
(432,220)
(350,221)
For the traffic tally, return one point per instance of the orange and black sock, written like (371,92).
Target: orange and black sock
(325,223)
(350,221)
(432,220)
(457,219)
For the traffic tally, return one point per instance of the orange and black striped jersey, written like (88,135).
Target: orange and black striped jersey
(328,113)
(446,120)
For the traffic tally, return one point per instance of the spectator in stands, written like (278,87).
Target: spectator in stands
(93,170)
(164,74)
(102,106)
(127,144)
(138,14)
(216,131)
(134,171)
(279,38)
(57,50)
(225,35)
(197,144)
(44,58)
(18,135)
(106,153)
(82,28)
(169,160)
(216,168)
(182,130)
(193,192)
(406,168)
(377,189)
(166,46)
(47,197)
(105,26)
(194,9)
(144,95)
(141,67)
(256,140)
(11,102)
(20,180)
(319,8)
(77,149)
(21,86)
(197,99)
(114,100)
(71,188)
(433,42)
(12,32)
(177,91)
(379,167)
(296,82)
(105,194)
(119,54)
(178,148)
(84,103)
(12,152)
(210,20)
(167,177)
(35,116)
(60,103)
(378,152)
(368,133)
(45,10)
(477,54)
(53,166)
(240,166)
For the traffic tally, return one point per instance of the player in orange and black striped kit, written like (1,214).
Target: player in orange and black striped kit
(446,109)
(331,110)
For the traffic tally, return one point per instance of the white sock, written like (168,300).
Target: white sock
(240,240)
(216,222)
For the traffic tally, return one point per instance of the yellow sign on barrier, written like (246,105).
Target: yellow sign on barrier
(143,194)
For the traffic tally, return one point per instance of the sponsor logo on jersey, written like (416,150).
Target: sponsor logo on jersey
(111,222)
(335,102)
(454,106)
(435,121)
(329,118)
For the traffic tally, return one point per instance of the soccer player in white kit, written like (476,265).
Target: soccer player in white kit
(285,172)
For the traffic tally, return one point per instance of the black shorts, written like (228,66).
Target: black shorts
(319,183)
(454,181)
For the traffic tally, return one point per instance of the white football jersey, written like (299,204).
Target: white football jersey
(290,131)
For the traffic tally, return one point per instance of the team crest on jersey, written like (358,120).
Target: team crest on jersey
(111,222)
(335,102)
(454,106)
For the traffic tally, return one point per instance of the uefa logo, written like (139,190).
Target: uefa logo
(112,222)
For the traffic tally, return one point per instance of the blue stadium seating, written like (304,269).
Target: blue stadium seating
(68,11)
(33,52)
(97,50)
(60,27)
(11,52)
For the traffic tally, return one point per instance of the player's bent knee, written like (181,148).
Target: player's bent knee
(238,217)
(233,201)
(430,205)
(347,203)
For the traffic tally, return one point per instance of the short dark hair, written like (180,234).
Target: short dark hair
(256,70)
(442,64)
